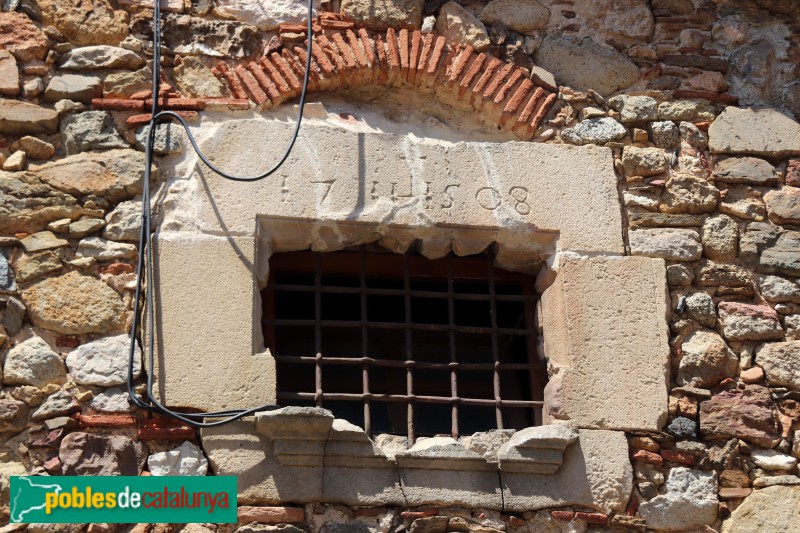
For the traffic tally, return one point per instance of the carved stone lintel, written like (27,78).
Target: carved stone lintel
(536,450)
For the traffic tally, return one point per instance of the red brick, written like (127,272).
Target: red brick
(270,515)
(286,71)
(424,56)
(358,52)
(563,515)
(533,103)
(402,47)
(415,47)
(678,457)
(366,43)
(141,95)
(592,518)
(179,104)
(471,74)
(793,173)
(106,421)
(117,104)
(647,457)
(313,74)
(542,112)
(486,77)
(497,81)
(292,28)
(464,56)
(735,493)
(116,269)
(163,429)
(53,465)
(423,513)
(266,84)
(515,102)
(231,79)
(393,59)
(438,50)
(322,61)
(514,521)
(138,120)
(344,52)
(382,61)
(337,24)
(252,86)
(277,78)
(510,83)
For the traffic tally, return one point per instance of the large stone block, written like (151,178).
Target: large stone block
(596,473)
(760,132)
(386,179)
(605,321)
(211,353)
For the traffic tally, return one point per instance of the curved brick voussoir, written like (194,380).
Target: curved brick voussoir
(346,57)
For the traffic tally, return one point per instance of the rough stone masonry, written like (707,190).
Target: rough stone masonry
(642,158)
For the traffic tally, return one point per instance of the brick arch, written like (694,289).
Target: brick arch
(345,57)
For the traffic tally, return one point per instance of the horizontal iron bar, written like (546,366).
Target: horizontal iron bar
(408,398)
(401,292)
(393,325)
(356,361)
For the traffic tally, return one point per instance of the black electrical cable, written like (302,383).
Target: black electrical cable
(144,267)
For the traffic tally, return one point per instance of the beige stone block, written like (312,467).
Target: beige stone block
(596,473)
(605,337)
(211,355)
(396,180)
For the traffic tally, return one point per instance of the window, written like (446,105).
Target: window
(403,344)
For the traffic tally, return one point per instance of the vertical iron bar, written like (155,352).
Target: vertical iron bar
(495,348)
(364,341)
(452,338)
(318,329)
(409,350)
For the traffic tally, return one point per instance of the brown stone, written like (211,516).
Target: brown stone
(22,118)
(74,303)
(747,414)
(20,36)
(13,415)
(682,405)
(732,493)
(430,524)
(85,23)
(734,479)
(28,205)
(9,74)
(83,454)
(752,375)
(783,205)
(644,443)
(678,457)
(270,515)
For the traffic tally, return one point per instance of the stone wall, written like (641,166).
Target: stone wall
(695,104)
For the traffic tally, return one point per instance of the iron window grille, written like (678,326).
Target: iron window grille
(403,344)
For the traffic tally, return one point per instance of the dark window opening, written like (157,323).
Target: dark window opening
(403,344)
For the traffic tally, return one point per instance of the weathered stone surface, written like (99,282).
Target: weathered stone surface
(7,281)
(31,267)
(123,223)
(760,132)
(596,472)
(185,460)
(792,325)
(61,403)
(383,15)
(582,63)
(783,257)
(92,22)
(643,161)
(634,108)
(536,450)
(461,27)
(104,362)
(37,149)
(194,78)
(9,74)
(85,226)
(123,84)
(713,274)
(693,135)
(90,130)
(520,16)
(197,36)
(783,205)
(22,118)
(266,14)
(747,414)
(743,202)
(77,87)
(678,110)
(27,204)
(772,460)
(13,415)
(101,57)
(706,360)
(595,131)
(745,322)
(720,237)
(688,500)
(112,400)
(169,139)
(74,304)
(770,481)
(664,134)
(775,289)
(749,170)
(85,454)
(20,36)
(769,510)
(114,175)
(666,243)
(756,239)
(13,316)
(660,220)
(104,250)
(781,363)
(487,443)
(682,428)
(579,352)
(43,240)
(15,161)
(688,194)
(33,362)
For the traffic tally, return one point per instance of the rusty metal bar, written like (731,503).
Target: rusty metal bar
(409,349)
(405,363)
(372,291)
(451,320)
(395,325)
(318,328)
(364,341)
(408,398)
(495,348)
